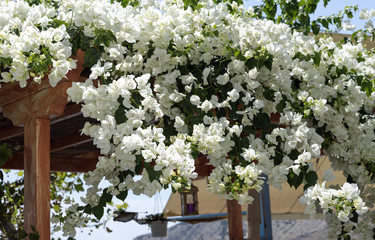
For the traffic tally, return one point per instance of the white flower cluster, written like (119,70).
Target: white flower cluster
(339,206)
(27,42)
(296,136)
(341,202)
(176,83)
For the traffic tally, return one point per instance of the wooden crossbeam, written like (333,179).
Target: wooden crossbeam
(71,111)
(70,141)
(58,164)
(13,92)
(10,132)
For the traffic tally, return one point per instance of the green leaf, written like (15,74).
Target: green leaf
(325,23)
(216,33)
(87,209)
(311,178)
(104,37)
(5,153)
(92,55)
(120,116)
(293,155)
(98,212)
(367,86)
(355,217)
(244,143)
(56,208)
(152,174)
(139,164)
(278,158)
(105,198)
(268,63)
(80,208)
(122,196)
(317,58)
(249,130)
(262,121)
(294,180)
(22,234)
(281,105)
(5,62)
(269,94)
(78,187)
(315,28)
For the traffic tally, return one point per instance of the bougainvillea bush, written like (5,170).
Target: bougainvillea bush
(170,82)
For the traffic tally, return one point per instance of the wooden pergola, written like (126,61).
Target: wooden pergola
(39,120)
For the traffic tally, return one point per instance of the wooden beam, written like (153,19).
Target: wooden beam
(10,132)
(70,141)
(234,220)
(63,164)
(71,111)
(58,164)
(41,104)
(12,92)
(37,176)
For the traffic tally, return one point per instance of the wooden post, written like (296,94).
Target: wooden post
(254,218)
(37,177)
(32,106)
(234,220)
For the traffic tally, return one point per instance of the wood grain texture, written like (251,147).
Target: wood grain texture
(37,176)
(234,220)
(12,92)
(41,104)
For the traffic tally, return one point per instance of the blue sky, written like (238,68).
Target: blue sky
(128,231)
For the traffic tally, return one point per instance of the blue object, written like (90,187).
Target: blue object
(265,208)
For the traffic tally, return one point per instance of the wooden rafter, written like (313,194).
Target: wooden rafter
(71,111)
(70,141)
(10,93)
(58,164)
(10,132)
